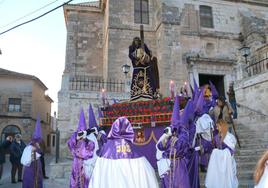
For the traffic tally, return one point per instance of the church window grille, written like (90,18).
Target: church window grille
(206,16)
(141,11)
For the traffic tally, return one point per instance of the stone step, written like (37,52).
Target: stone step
(249,152)
(244,160)
(251,163)
(252,145)
(245,175)
(246,184)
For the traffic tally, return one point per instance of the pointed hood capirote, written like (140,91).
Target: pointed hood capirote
(200,103)
(91,118)
(122,129)
(214,91)
(37,134)
(176,113)
(187,115)
(82,121)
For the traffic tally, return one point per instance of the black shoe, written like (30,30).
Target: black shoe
(45,177)
(13,182)
(20,180)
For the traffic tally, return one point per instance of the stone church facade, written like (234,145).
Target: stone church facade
(191,38)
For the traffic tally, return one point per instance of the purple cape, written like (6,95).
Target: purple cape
(120,141)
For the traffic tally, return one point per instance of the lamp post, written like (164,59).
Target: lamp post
(126,69)
(245,51)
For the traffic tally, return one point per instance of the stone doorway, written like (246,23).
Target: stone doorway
(217,80)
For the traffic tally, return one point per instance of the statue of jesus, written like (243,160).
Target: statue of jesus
(145,78)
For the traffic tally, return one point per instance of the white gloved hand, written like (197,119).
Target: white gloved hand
(197,148)
(78,137)
(168,132)
(211,108)
(84,134)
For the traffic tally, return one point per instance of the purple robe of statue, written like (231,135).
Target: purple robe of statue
(176,149)
(81,150)
(145,78)
(29,174)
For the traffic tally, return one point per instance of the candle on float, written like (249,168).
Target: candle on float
(171,88)
(185,89)
(103,97)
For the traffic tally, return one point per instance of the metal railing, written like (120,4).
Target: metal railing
(258,67)
(86,83)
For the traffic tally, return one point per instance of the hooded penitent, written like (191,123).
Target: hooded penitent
(81,150)
(175,118)
(120,163)
(32,176)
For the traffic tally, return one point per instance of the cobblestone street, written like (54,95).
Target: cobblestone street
(5,182)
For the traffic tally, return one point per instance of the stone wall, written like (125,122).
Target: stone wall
(253,92)
(69,110)
(84,49)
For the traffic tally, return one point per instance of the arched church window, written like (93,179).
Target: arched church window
(206,16)
(141,11)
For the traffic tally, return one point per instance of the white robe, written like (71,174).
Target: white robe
(203,126)
(90,163)
(263,183)
(221,172)
(163,164)
(123,173)
(26,158)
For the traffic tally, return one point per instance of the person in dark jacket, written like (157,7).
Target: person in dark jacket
(16,150)
(42,158)
(3,146)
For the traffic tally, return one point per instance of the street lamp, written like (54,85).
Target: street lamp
(245,51)
(126,69)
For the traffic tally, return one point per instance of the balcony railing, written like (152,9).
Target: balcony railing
(86,83)
(257,67)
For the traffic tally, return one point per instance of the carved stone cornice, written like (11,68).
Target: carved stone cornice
(252,2)
(210,60)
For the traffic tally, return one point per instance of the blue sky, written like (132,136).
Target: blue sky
(37,48)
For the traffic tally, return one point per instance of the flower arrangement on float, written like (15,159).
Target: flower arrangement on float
(143,112)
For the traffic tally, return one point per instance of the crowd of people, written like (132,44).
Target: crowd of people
(199,139)
(23,157)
